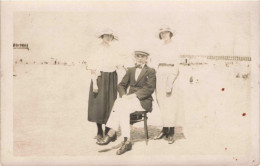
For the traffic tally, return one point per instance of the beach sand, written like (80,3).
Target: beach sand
(50,114)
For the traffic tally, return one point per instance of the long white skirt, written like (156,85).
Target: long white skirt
(170,107)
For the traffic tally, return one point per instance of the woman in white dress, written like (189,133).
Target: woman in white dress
(168,86)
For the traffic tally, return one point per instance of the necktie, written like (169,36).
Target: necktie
(138,66)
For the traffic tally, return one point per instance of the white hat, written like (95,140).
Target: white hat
(165,28)
(107,32)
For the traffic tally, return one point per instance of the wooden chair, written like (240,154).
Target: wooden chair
(140,116)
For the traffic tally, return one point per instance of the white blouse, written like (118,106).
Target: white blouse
(103,59)
(166,53)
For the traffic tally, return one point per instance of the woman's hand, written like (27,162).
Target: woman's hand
(95,88)
(93,72)
(168,88)
(168,91)
(169,84)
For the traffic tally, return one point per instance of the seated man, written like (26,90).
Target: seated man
(142,80)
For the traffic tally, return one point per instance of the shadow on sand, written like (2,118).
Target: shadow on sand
(137,135)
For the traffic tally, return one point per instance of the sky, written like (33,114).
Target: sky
(70,35)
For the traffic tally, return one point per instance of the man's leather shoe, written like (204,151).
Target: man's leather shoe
(126,146)
(107,139)
(171,139)
(160,136)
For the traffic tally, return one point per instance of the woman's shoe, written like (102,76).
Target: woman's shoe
(98,137)
(107,139)
(160,136)
(171,139)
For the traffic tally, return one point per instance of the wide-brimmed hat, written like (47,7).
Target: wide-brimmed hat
(165,28)
(107,31)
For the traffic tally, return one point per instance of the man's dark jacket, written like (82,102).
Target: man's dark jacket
(143,87)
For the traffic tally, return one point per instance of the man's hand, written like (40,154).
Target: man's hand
(129,96)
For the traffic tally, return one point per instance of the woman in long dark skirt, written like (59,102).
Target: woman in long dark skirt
(103,87)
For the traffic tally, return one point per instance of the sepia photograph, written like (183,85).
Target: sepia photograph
(130,83)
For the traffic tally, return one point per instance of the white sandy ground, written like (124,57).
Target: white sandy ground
(50,114)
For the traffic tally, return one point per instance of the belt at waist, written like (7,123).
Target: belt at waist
(165,64)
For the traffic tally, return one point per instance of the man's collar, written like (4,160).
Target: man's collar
(140,66)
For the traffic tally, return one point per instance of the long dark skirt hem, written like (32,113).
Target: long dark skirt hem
(100,104)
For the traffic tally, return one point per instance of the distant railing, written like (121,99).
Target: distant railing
(234,58)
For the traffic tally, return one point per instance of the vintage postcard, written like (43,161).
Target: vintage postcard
(130,83)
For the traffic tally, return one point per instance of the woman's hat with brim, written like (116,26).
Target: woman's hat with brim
(165,28)
(107,32)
